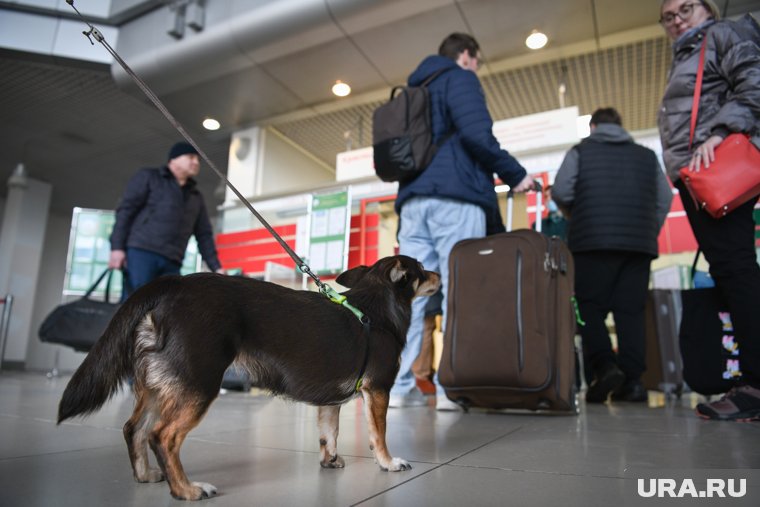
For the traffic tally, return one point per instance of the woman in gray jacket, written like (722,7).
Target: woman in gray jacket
(730,102)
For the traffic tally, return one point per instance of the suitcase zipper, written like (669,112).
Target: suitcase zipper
(520,344)
(551,257)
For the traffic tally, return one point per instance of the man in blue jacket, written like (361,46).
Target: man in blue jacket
(451,199)
(159,211)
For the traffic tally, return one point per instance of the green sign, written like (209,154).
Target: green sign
(329,229)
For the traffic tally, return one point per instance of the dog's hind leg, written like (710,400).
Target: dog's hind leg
(136,432)
(328,437)
(376,409)
(177,417)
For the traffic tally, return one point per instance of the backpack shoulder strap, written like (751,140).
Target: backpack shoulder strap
(434,75)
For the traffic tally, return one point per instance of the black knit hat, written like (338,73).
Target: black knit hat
(180,149)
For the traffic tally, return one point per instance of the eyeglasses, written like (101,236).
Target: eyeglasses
(684,12)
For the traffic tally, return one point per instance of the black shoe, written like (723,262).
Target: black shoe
(739,404)
(630,391)
(607,379)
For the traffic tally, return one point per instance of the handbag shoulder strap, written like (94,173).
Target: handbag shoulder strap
(697,90)
(694,264)
(108,272)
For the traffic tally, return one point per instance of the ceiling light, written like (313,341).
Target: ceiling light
(341,89)
(211,124)
(536,40)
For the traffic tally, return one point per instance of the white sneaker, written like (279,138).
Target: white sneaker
(444,404)
(413,398)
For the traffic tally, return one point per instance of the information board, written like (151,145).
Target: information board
(329,229)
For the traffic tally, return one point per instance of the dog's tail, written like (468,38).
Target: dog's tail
(109,362)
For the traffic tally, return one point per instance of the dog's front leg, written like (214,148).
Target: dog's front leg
(328,437)
(376,409)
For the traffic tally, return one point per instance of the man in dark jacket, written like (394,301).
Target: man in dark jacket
(159,211)
(450,200)
(617,199)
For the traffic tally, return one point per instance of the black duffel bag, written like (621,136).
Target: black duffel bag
(711,357)
(80,323)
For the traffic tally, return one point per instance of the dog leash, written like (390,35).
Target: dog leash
(325,289)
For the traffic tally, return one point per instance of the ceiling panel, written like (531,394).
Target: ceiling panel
(615,16)
(398,48)
(238,98)
(385,12)
(501,27)
(72,127)
(630,78)
(311,73)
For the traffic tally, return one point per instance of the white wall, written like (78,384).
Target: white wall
(21,246)
(42,356)
(288,168)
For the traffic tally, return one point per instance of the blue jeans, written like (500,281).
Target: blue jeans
(430,227)
(144,266)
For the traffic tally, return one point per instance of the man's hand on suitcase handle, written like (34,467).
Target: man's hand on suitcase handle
(526,184)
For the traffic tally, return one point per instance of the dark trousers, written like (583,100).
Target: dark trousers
(617,282)
(144,266)
(728,244)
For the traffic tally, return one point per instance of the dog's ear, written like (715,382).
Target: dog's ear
(351,277)
(397,272)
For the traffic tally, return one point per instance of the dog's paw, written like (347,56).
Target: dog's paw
(207,490)
(151,475)
(334,462)
(199,491)
(154,475)
(397,465)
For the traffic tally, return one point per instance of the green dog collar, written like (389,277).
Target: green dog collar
(340,299)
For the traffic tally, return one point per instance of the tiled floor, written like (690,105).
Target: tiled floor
(263,451)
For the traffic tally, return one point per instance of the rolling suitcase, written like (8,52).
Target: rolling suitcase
(663,353)
(509,337)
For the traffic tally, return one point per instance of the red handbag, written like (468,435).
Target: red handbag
(733,178)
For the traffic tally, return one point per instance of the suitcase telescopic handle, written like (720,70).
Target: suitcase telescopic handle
(537,187)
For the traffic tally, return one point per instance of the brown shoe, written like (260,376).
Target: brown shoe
(739,404)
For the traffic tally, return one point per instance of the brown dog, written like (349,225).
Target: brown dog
(177,335)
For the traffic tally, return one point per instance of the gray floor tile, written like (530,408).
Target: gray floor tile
(454,486)
(264,451)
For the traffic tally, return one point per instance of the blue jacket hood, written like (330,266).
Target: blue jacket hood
(428,66)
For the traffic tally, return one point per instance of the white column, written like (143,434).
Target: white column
(21,240)
(245,156)
(243,171)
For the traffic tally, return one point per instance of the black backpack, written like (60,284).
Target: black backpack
(402,136)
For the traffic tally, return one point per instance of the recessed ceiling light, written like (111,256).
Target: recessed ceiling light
(536,40)
(211,124)
(341,89)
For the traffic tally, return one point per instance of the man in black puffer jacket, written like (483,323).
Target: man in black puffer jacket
(617,198)
(159,211)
